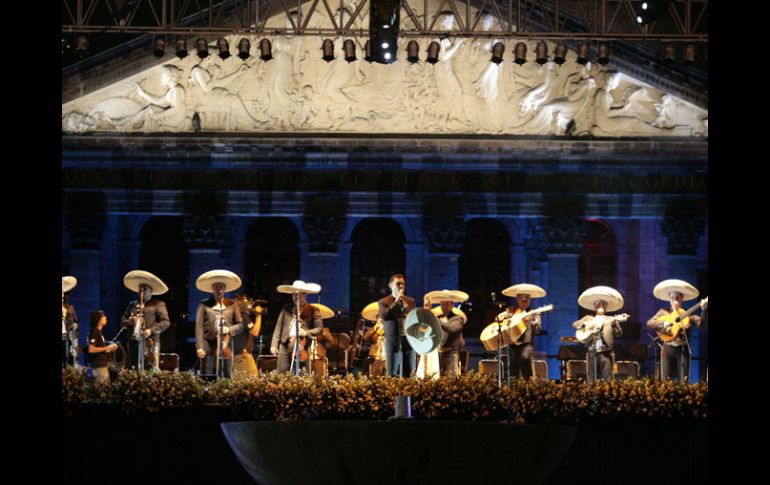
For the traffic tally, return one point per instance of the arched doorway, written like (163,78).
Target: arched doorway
(598,261)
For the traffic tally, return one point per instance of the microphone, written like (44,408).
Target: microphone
(494,297)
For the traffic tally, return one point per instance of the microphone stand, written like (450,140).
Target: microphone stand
(294,355)
(657,349)
(141,343)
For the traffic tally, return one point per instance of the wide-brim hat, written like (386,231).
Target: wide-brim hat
(525,289)
(438,312)
(371,311)
(134,279)
(455,296)
(67,283)
(299,286)
(208,279)
(325,311)
(612,296)
(662,289)
(423,343)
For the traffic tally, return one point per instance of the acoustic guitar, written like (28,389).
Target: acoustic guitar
(679,320)
(517,325)
(594,327)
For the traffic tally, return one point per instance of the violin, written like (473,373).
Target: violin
(149,355)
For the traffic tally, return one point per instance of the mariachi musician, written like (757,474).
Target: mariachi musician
(598,332)
(290,340)
(217,320)
(673,326)
(144,319)
(522,349)
(69,324)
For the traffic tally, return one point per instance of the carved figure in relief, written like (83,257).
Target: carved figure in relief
(487,86)
(611,118)
(450,105)
(165,112)
(282,80)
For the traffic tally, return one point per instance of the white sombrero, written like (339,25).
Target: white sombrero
(612,296)
(371,311)
(134,279)
(208,279)
(438,312)
(525,289)
(423,330)
(455,296)
(300,286)
(325,311)
(67,283)
(662,289)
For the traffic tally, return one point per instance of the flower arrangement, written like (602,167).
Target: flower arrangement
(473,397)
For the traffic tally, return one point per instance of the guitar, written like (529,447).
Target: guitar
(516,324)
(679,320)
(594,327)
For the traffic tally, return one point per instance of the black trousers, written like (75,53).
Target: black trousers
(405,356)
(672,358)
(284,355)
(447,362)
(601,360)
(521,361)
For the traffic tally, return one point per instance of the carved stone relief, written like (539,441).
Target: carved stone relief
(462,93)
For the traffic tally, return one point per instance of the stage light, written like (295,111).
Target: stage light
(181,47)
(668,53)
(560,55)
(541,53)
(328,50)
(583,53)
(498,50)
(159,49)
(651,11)
(265,50)
(520,53)
(224,48)
(413,51)
(81,46)
(384,18)
(604,53)
(349,47)
(244,46)
(368,52)
(433,50)
(689,53)
(202,47)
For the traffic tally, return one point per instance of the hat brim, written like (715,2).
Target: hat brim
(533,291)
(612,296)
(205,284)
(455,296)
(371,311)
(68,283)
(325,311)
(662,289)
(411,329)
(300,287)
(134,279)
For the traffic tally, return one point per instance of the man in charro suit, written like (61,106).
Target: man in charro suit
(599,348)
(155,316)
(286,331)
(400,358)
(523,349)
(217,320)
(69,323)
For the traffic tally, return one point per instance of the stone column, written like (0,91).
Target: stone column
(321,261)
(205,236)
(445,236)
(86,231)
(564,238)
(682,235)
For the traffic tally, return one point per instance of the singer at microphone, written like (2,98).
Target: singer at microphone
(392,311)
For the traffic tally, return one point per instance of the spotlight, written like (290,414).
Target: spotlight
(689,53)
(651,11)
(560,56)
(265,50)
(583,53)
(349,47)
(202,47)
(413,51)
(159,49)
(541,52)
(384,19)
(433,50)
(497,52)
(224,48)
(328,50)
(520,53)
(668,53)
(243,48)
(604,53)
(181,47)
(368,52)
